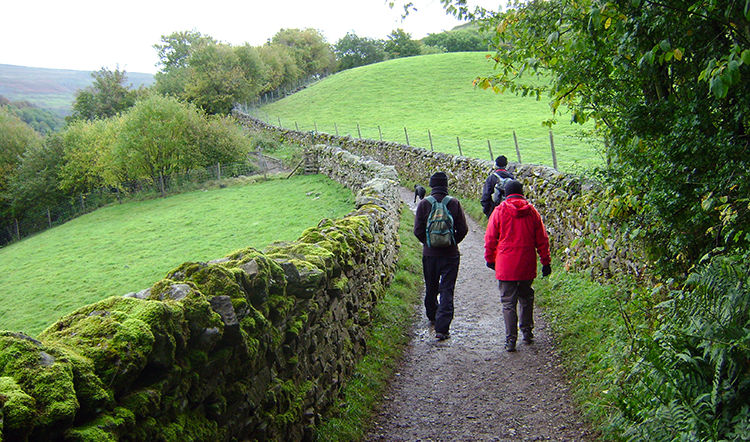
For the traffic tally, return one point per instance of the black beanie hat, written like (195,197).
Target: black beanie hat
(501,161)
(513,187)
(439,179)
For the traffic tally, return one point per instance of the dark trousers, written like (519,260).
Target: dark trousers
(440,273)
(521,293)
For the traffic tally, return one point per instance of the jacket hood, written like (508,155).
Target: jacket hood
(517,206)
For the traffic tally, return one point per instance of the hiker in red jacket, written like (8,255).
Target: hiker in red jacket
(515,234)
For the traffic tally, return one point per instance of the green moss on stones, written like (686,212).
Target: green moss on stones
(42,376)
(106,427)
(18,408)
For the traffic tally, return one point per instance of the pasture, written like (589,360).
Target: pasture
(432,97)
(127,247)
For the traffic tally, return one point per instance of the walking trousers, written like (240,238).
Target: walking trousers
(521,293)
(440,273)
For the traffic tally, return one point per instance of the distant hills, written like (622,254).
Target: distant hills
(52,89)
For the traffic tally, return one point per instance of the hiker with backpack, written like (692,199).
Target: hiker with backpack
(493,191)
(515,235)
(440,225)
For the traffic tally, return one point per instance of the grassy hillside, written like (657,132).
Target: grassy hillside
(128,247)
(435,93)
(52,89)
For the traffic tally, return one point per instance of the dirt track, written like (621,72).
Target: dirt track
(468,387)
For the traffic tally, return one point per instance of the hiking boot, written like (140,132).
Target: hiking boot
(510,345)
(528,337)
(442,336)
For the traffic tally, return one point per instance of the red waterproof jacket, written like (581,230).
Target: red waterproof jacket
(515,234)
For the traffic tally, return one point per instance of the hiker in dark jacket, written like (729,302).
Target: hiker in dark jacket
(489,184)
(440,264)
(515,235)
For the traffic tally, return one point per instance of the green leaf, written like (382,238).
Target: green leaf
(718,87)
(664,45)
(746,53)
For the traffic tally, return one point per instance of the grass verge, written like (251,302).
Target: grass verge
(393,319)
(587,322)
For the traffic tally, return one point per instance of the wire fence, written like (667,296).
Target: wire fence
(568,153)
(39,218)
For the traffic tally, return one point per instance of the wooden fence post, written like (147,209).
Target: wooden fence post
(18,231)
(316,126)
(489,146)
(518,151)
(336,128)
(218,171)
(552,146)
(459,146)
(359,132)
(429,134)
(49,218)
(279,121)
(296,126)
(380,132)
(407,136)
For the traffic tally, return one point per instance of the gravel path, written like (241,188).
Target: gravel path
(468,387)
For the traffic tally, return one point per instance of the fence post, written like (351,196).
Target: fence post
(337,129)
(316,126)
(380,132)
(459,146)
(83,204)
(489,146)
(518,151)
(552,146)
(429,134)
(359,132)
(18,231)
(296,126)
(407,136)
(218,171)
(49,218)
(279,121)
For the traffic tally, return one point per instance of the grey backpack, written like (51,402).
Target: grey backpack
(498,195)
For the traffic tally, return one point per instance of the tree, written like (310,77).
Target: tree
(281,66)
(457,41)
(36,184)
(220,76)
(174,54)
(666,84)
(106,97)
(15,138)
(352,51)
(157,140)
(399,44)
(87,147)
(175,49)
(313,54)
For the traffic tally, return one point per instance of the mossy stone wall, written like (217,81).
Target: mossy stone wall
(574,210)
(252,346)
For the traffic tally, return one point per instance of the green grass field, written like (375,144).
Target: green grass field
(128,247)
(435,93)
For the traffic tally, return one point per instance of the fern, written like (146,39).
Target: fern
(692,381)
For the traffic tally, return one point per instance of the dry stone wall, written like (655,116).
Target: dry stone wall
(573,210)
(252,346)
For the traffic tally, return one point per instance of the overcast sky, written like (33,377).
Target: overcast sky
(91,34)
